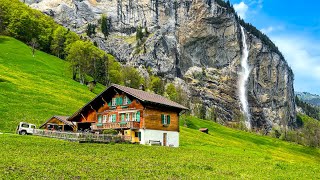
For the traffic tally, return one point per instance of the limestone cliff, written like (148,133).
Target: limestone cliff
(196,43)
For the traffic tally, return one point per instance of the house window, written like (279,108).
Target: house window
(126,100)
(128,117)
(134,115)
(99,119)
(114,101)
(105,117)
(165,119)
(122,117)
(138,116)
(114,117)
(110,118)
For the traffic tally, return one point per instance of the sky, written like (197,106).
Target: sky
(294,26)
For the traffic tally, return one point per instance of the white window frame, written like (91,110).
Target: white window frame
(110,118)
(165,119)
(114,102)
(127,116)
(104,119)
(134,116)
(125,100)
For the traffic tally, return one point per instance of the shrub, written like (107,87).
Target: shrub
(110,131)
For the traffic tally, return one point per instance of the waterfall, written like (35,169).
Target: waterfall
(244,75)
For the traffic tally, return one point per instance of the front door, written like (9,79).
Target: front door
(164,139)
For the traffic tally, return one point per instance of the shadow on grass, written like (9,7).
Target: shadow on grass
(3,80)
(3,39)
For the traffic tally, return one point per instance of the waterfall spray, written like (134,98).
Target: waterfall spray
(243,80)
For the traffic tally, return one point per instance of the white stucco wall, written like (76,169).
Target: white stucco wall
(157,135)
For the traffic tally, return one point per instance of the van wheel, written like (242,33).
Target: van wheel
(23,133)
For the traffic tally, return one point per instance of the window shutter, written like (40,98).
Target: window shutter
(109,104)
(99,118)
(162,118)
(168,119)
(128,101)
(138,116)
(117,101)
(120,101)
(114,117)
(122,117)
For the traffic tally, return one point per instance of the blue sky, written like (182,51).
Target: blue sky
(294,26)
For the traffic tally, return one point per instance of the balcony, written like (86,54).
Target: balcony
(117,125)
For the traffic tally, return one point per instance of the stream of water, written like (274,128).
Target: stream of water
(245,72)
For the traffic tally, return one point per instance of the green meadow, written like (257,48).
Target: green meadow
(33,89)
(222,154)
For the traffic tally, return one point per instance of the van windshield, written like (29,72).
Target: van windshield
(33,127)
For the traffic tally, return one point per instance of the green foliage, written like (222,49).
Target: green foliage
(87,59)
(91,29)
(227,5)
(171,92)
(264,38)
(115,75)
(70,38)
(157,85)
(58,41)
(105,26)
(131,77)
(1,21)
(139,34)
(308,134)
(33,89)
(310,110)
(26,24)
(110,131)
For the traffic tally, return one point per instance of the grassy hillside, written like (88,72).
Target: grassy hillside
(32,89)
(222,154)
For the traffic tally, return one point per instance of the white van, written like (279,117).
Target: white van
(25,128)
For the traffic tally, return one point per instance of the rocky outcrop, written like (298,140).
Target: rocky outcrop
(196,41)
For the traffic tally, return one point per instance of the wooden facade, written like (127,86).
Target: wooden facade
(130,112)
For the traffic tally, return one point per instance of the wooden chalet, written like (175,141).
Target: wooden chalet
(59,123)
(140,116)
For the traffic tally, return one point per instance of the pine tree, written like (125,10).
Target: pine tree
(105,26)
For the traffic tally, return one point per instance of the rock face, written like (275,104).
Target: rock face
(197,41)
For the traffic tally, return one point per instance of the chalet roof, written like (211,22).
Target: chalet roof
(150,97)
(145,97)
(60,118)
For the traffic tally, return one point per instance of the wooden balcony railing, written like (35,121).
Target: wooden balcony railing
(118,125)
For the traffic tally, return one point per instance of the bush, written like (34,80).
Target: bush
(110,131)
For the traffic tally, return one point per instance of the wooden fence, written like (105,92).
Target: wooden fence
(81,136)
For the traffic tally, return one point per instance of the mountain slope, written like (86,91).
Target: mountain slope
(33,89)
(312,99)
(198,46)
(224,153)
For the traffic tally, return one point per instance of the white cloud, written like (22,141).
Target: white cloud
(267,30)
(258,3)
(271,29)
(241,9)
(303,55)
